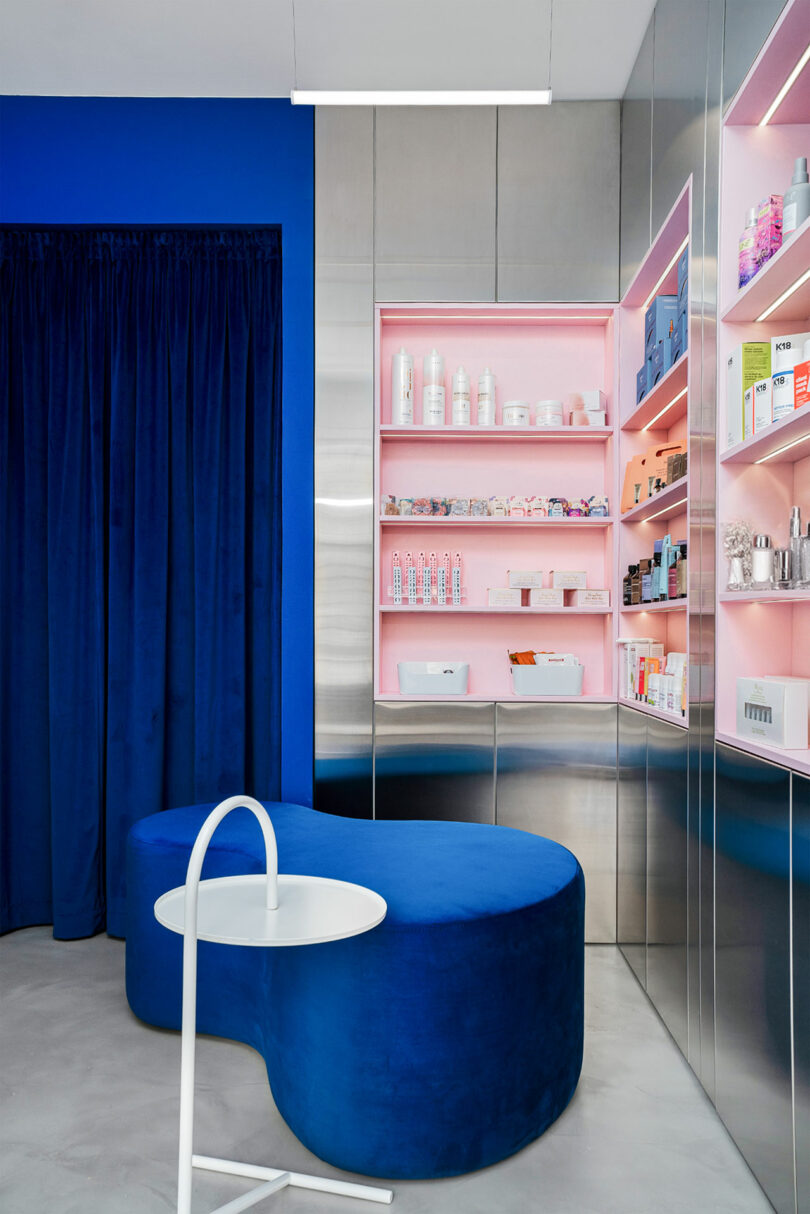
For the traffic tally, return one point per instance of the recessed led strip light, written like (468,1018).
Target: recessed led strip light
(785,89)
(666,510)
(785,295)
(666,408)
(420,97)
(671,265)
(781,450)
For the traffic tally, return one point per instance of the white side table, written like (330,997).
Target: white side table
(268,911)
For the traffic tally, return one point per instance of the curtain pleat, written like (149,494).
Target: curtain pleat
(140,572)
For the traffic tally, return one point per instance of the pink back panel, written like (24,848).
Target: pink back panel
(756,639)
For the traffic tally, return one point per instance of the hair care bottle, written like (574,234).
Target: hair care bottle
(486,398)
(402,388)
(796,204)
(747,257)
(461,398)
(433,389)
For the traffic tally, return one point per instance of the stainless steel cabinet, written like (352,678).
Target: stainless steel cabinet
(801,986)
(667,846)
(752,995)
(631,893)
(435,761)
(435,203)
(556,776)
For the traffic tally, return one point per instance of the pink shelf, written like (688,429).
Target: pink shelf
(764,596)
(498,434)
(667,605)
(793,429)
(492,314)
(784,268)
(796,760)
(421,520)
(479,699)
(667,504)
(667,389)
(771,68)
(674,231)
(682,722)
(394,610)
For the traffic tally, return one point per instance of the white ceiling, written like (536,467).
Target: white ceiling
(244,48)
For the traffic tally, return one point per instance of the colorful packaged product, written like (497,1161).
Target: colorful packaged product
(499,507)
(439,506)
(459,506)
(598,506)
(406,505)
(517,507)
(769,228)
(421,505)
(557,507)
(479,507)
(538,507)
(389,505)
(578,508)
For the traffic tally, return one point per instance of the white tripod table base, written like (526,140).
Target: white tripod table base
(276,1179)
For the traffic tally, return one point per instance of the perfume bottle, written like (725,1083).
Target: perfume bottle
(762,563)
(796,544)
(783,568)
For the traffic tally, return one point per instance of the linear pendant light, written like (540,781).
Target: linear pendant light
(420,97)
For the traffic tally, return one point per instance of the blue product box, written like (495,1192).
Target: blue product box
(683,330)
(658,367)
(641,384)
(677,341)
(662,311)
(683,272)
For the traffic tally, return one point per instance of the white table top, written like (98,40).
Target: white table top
(311,910)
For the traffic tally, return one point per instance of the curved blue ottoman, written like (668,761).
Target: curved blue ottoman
(440,1042)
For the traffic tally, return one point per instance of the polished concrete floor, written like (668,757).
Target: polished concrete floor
(89,1104)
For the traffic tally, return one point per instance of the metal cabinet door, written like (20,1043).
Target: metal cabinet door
(631,820)
(435,203)
(801,986)
(435,761)
(752,993)
(556,776)
(667,849)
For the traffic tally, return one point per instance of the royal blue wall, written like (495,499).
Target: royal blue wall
(80,160)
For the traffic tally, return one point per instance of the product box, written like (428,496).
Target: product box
(546,598)
(503,596)
(590,598)
(683,280)
(774,710)
(763,404)
(787,351)
(525,579)
(801,385)
(662,312)
(783,399)
(595,401)
(748,363)
(676,347)
(769,229)
(748,412)
(659,360)
(642,383)
(568,579)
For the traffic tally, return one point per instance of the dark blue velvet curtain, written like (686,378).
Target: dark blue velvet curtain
(140,569)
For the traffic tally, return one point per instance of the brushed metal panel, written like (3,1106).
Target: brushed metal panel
(747,25)
(667,845)
(631,818)
(801,987)
(344,460)
(752,996)
(636,161)
(435,761)
(679,101)
(435,203)
(558,235)
(556,776)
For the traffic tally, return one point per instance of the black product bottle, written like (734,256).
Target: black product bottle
(627,585)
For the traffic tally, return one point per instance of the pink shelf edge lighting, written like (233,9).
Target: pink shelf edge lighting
(796,760)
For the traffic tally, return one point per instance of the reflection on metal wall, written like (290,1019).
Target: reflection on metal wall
(556,239)
(753,1048)
(801,986)
(435,203)
(557,777)
(748,23)
(435,761)
(636,143)
(667,835)
(344,404)
(631,820)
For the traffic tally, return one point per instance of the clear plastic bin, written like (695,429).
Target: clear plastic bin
(433,678)
(547,680)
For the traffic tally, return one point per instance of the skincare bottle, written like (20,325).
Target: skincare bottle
(402,388)
(461,398)
(747,255)
(635,585)
(672,580)
(627,586)
(433,390)
(683,573)
(645,567)
(762,563)
(796,204)
(805,561)
(782,568)
(486,398)
(796,543)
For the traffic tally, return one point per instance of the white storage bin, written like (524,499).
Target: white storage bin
(547,680)
(433,678)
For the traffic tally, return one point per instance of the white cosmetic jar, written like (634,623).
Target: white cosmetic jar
(517,413)
(549,413)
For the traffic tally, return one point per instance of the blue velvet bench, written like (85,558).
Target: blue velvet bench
(442,1041)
